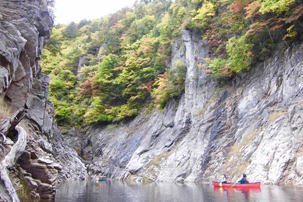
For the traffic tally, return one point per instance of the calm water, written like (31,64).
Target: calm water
(116,191)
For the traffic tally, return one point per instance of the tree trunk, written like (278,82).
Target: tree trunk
(10,160)
(8,127)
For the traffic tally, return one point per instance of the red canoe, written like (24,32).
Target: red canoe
(249,185)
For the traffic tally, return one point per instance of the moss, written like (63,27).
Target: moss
(145,179)
(156,161)
(112,126)
(5,111)
(24,192)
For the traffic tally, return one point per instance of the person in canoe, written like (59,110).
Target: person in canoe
(226,181)
(244,180)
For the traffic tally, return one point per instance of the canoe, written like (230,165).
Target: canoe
(236,185)
(102,178)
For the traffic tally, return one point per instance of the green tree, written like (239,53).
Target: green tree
(71,31)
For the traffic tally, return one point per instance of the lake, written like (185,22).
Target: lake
(117,191)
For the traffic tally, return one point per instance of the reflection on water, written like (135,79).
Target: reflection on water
(239,194)
(116,191)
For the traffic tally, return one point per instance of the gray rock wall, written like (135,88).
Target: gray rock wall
(25,26)
(252,124)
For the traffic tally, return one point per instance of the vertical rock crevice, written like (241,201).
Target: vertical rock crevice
(250,124)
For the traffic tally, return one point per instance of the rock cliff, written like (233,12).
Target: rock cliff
(251,124)
(34,156)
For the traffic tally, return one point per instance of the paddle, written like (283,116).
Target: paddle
(234,184)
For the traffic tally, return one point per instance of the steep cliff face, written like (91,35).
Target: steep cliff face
(252,125)
(34,157)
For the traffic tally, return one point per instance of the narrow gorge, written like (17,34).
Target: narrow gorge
(251,124)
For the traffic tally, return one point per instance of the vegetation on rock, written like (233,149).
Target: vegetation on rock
(107,69)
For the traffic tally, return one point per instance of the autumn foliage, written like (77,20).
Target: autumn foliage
(106,70)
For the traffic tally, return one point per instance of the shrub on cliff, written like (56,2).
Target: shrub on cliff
(106,70)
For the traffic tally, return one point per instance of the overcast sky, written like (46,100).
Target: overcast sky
(67,11)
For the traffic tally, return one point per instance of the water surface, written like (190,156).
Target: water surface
(117,191)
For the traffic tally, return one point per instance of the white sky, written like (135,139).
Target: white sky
(67,11)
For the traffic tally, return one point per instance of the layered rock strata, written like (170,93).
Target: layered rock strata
(252,124)
(25,27)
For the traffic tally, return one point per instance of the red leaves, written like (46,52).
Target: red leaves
(149,86)
(236,7)
(298,12)
(211,38)
(276,27)
(273,23)
(216,43)
(86,87)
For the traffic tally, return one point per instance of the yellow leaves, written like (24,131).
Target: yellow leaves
(162,81)
(174,7)
(204,66)
(160,87)
(130,61)
(148,44)
(165,20)
(149,21)
(277,6)
(205,12)
(69,85)
(290,33)
(142,53)
(163,26)
(181,12)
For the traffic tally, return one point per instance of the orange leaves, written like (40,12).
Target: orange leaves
(160,91)
(252,9)
(118,68)
(147,45)
(211,38)
(276,27)
(86,87)
(298,12)
(254,28)
(216,43)
(273,23)
(162,81)
(249,54)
